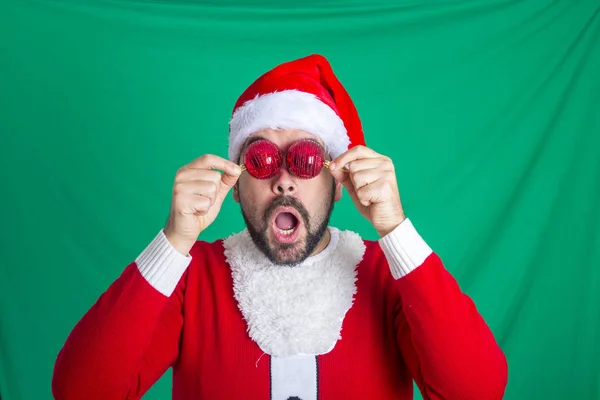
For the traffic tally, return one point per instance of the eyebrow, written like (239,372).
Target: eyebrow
(249,142)
(252,140)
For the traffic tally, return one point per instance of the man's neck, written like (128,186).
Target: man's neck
(323,243)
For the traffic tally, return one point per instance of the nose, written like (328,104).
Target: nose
(283,183)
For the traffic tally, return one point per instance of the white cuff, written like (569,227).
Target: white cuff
(404,249)
(162,265)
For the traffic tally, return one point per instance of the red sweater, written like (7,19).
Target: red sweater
(408,320)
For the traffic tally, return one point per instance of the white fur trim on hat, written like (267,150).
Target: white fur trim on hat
(289,109)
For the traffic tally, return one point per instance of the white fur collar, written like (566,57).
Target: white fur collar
(295,310)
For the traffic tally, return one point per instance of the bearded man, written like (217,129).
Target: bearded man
(290,308)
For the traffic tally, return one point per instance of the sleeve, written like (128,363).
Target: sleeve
(448,348)
(130,336)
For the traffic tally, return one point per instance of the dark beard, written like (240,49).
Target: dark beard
(313,236)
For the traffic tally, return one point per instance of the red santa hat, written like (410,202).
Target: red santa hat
(301,94)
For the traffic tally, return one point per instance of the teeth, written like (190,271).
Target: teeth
(286,232)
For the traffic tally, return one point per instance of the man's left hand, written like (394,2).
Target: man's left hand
(372,185)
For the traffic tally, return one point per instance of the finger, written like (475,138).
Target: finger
(365,177)
(211,161)
(229,180)
(340,175)
(193,204)
(373,193)
(200,205)
(367,163)
(187,174)
(354,153)
(203,188)
(344,178)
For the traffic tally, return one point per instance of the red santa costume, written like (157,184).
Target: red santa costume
(360,320)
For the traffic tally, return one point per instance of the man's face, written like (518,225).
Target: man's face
(287,217)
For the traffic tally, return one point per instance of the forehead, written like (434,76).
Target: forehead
(283,137)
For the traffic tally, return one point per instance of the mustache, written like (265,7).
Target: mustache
(288,201)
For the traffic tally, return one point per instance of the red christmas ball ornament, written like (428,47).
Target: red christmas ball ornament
(305,159)
(263,159)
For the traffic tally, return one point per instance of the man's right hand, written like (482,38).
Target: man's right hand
(198,194)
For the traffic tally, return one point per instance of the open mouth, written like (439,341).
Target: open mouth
(286,222)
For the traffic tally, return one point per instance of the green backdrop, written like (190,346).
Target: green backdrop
(490,110)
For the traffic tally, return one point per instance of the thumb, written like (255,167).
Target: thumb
(230,175)
(343,177)
(228,179)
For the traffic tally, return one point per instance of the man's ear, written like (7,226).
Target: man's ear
(338,191)
(236,193)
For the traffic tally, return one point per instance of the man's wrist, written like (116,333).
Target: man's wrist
(181,245)
(390,228)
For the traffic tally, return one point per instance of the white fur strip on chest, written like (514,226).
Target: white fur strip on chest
(295,310)
(294,378)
